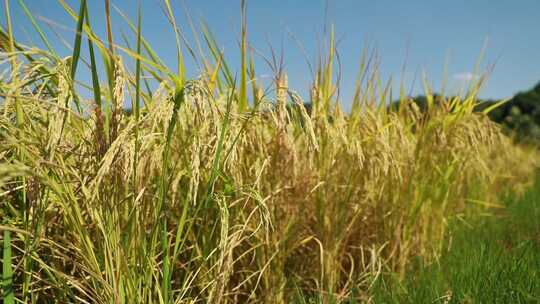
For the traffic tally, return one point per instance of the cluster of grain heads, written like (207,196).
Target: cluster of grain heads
(203,196)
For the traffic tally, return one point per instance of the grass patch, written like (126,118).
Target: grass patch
(494,260)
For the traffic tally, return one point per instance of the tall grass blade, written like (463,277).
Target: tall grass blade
(100,132)
(7,270)
(137,104)
(179,55)
(78,38)
(218,56)
(243,103)
(37,27)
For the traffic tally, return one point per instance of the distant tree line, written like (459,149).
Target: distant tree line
(519,116)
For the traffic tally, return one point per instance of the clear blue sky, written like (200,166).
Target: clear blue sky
(431,30)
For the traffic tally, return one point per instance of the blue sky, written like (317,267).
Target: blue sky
(425,33)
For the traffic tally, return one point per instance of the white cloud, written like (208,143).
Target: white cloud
(465,76)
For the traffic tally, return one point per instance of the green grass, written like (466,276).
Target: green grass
(492,260)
